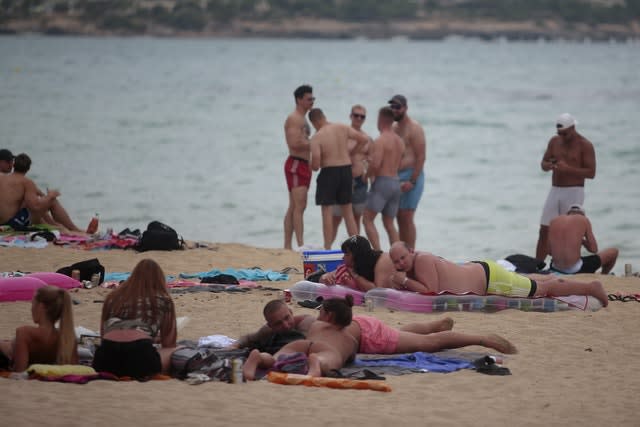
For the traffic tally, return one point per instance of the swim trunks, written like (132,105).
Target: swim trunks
(20,220)
(358,197)
(384,196)
(411,198)
(334,186)
(376,337)
(586,264)
(297,172)
(507,283)
(559,201)
(137,359)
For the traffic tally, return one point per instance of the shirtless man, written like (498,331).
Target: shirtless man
(426,273)
(282,326)
(6,161)
(411,168)
(21,165)
(20,200)
(567,234)
(296,168)
(572,159)
(385,192)
(374,337)
(358,170)
(330,152)
(328,345)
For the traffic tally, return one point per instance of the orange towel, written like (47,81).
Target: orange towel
(297,379)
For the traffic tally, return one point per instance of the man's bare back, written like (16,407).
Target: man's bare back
(567,235)
(15,190)
(387,155)
(441,275)
(330,146)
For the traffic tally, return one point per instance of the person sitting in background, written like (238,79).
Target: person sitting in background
(44,343)
(567,234)
(23,204)
(22,165)
(135,316)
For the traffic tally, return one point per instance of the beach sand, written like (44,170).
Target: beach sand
(573,368)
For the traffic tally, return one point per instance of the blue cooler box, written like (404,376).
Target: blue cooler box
(316,260)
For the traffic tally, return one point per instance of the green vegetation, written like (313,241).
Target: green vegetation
(137,16)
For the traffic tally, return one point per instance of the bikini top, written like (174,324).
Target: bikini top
(132,318)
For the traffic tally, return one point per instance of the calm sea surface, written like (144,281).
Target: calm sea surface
(190,132)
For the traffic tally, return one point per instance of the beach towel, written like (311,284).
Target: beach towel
(344,383)
(247,274)
(417,362)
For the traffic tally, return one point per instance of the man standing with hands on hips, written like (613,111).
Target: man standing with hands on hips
(572,159)
(411,172)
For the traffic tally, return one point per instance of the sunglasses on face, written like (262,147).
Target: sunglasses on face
(358,116)
(395,106)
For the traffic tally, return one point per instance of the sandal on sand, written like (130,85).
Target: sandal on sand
(487,365)
(315,304)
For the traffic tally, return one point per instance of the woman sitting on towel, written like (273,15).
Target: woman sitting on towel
(43,343)
(135,316)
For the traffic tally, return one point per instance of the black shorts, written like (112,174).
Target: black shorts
(590,264)
(334,186)
(137,359)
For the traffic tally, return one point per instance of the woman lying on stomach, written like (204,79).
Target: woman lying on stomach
(44,343)
(135,316)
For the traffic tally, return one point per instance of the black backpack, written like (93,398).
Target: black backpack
(159,237)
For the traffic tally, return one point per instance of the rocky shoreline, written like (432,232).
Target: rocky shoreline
(330,29)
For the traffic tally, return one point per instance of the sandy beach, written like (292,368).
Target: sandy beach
(573,368)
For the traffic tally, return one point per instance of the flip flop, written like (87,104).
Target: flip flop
(486,365)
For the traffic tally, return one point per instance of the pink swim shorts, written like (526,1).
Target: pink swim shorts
(376,337)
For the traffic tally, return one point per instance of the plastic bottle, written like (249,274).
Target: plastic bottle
(93,224)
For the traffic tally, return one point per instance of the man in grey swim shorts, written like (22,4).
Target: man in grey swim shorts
(385,192)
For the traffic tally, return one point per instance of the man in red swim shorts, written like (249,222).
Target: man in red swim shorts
(296,168)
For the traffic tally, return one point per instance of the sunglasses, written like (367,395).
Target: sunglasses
(395,106)
(359,116)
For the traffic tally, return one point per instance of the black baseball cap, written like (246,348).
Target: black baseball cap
(6,155)
(398,99)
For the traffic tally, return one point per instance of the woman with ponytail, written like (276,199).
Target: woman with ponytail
(44,343)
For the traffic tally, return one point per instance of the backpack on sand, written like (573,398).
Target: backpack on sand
(159,237)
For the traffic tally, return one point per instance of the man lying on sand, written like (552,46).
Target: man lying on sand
(372,335)
(427,273)
(329,345)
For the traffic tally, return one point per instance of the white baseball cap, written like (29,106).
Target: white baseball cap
(576,208)
(565,121)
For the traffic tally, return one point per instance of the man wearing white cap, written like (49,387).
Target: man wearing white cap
(567,234)
(572,159)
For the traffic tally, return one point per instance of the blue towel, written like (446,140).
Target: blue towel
(418,361)
(246,274)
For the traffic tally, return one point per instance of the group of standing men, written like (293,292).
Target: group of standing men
(348,159)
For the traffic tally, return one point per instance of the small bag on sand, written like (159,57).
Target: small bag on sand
(87,269)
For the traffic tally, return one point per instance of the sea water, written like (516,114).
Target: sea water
(190,131)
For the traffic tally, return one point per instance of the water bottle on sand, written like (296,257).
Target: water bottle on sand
(93,224)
